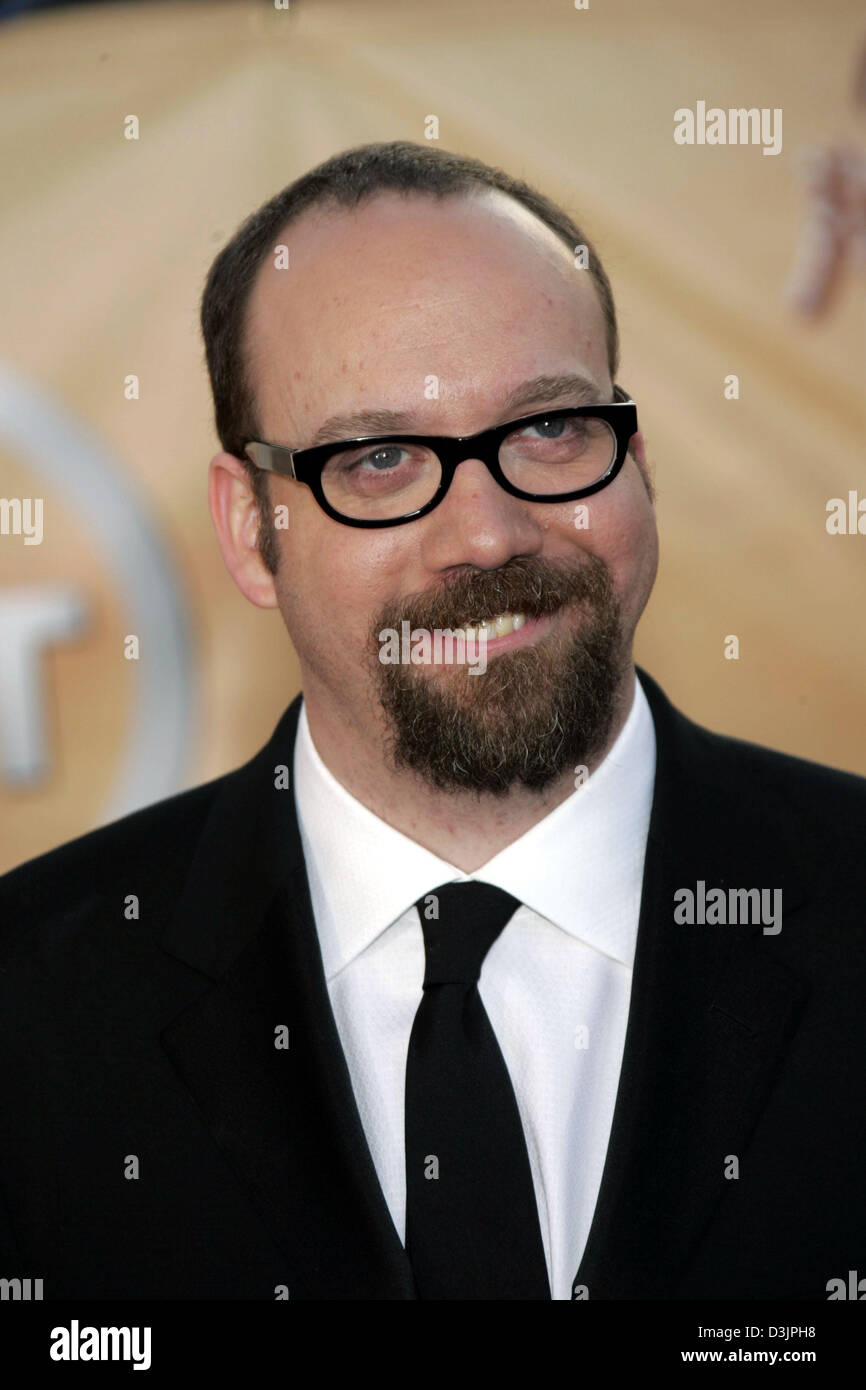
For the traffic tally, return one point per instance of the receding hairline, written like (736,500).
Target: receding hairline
(330,204)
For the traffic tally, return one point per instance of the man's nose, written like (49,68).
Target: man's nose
(478,522)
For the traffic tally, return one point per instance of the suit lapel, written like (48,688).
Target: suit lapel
(711,1012)
(284,1118)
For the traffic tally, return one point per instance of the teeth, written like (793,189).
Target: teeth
(495,627)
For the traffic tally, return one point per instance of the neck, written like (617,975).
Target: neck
(464,828)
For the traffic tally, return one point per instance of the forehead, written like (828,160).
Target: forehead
(473,293)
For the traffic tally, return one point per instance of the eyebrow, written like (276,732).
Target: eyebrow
(570,387)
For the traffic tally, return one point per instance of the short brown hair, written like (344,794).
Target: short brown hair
(347,179)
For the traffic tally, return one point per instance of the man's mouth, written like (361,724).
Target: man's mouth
(504,631)
(500,626)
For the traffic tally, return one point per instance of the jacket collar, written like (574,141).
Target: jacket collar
(711,1012)
(285,1117)
(249,847)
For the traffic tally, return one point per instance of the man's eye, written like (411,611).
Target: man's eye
(386,456)
(554,429)
(379,460)
(557,427)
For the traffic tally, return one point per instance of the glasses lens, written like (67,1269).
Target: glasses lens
(561,453)
(381,482)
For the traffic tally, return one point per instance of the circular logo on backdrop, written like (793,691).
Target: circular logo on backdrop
(74,481)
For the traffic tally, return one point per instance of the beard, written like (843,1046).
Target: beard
(535,711)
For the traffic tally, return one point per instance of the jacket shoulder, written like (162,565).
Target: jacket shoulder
(813,789)
(746,789)
(148,851)
(752,769)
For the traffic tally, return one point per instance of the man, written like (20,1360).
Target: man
(491,976)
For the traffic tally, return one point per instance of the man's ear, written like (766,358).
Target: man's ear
(637,449)
(236,518)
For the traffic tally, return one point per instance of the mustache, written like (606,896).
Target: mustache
(524,585)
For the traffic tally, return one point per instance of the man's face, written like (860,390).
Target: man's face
(477,296)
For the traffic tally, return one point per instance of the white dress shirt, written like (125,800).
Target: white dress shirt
(555,984)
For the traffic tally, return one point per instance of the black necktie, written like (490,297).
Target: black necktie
(472,1228)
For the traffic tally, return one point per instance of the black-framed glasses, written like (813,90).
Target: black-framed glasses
(389,479)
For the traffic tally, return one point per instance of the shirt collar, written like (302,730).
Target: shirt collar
(581,866)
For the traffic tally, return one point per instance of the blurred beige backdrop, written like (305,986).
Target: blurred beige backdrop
(104,245)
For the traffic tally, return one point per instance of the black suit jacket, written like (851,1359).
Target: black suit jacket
(153,1039)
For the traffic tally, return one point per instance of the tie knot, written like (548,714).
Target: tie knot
(460,922)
